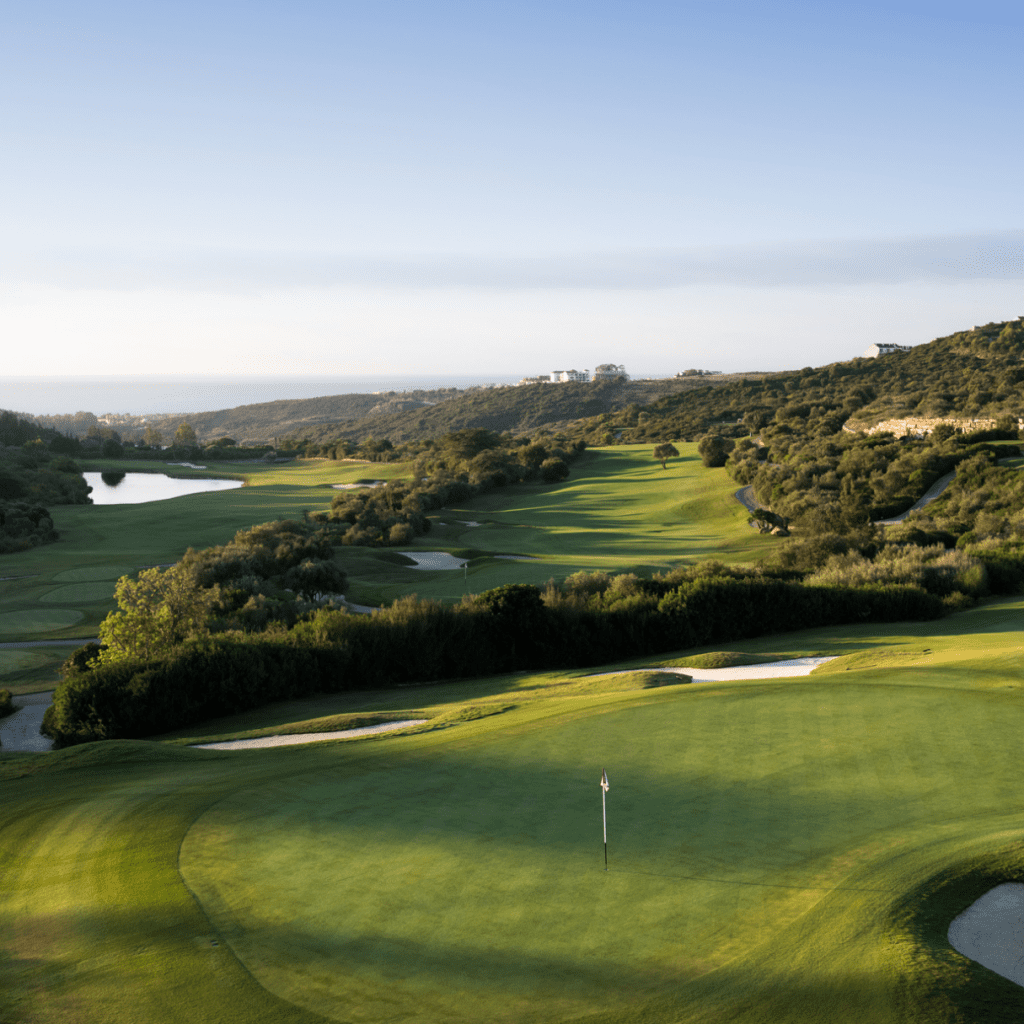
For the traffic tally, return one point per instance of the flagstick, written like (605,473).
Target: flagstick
(604,815)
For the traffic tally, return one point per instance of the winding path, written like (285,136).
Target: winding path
(745,496)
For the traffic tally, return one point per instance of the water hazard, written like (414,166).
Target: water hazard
(136,488)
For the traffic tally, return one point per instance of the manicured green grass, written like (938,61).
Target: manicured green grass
(618,511)
(20,661)
(13,624)
(99,543)
(780,850)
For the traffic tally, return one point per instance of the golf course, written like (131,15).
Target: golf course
(619,510)
(779,850)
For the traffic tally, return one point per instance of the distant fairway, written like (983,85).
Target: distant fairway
(781,851)
(99,543)
(618,511)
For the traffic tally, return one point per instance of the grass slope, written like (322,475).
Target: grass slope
(65,589)
(619,510)
(781,851)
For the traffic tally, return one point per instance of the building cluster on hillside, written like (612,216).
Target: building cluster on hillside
(606,371)
(885,349)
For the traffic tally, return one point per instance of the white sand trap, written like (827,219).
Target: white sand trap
(991,931)
(306,737)
(20,731)
(353,487)
(770,670)
(433,560)
(470,523)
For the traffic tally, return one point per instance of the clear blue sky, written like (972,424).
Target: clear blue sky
(349,187)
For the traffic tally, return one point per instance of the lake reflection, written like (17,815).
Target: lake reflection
(135,488)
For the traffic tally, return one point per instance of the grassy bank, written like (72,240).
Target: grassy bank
(780,851)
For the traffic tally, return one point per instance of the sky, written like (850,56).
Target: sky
(502,186)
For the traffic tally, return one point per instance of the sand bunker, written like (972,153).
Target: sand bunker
(470,523)
(352,487)
(20,731)
(771,670)
(306,737)
(991,931)
(433,560)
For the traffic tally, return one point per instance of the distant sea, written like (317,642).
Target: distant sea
(49,396)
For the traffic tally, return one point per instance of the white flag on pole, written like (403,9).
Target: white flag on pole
(604,781)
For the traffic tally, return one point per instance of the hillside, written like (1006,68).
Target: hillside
(405,415)
(970,374)
(520,410)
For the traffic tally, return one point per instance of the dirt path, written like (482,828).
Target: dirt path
(929,496)
(745,496)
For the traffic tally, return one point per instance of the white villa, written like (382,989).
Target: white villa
(885,350)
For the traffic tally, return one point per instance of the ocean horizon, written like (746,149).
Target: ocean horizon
(146,395)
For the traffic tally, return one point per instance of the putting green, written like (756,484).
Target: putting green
(467,883)
(88,574)
(41,620)
(72,593)
(782,852)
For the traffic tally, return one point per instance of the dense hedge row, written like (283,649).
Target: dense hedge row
(503,630)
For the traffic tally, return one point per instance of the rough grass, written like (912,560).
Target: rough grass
(780,851)
(722,659)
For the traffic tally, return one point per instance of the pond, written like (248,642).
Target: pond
(135,488)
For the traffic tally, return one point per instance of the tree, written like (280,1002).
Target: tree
(553,470)
(314,578)
(152,436)
(714,450)
(664,452)
(185,435)
(157,612)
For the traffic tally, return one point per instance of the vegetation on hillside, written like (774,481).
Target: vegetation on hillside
(35,474)
(974,373)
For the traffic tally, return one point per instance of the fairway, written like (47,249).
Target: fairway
(618,511)
(780,850)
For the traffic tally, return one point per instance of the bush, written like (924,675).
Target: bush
(6,704)
(507,629)
(553,470)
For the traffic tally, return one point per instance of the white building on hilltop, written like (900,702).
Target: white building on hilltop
(567,375)
(885,350)
(609,371)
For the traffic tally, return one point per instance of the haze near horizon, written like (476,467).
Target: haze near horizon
(454,188)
